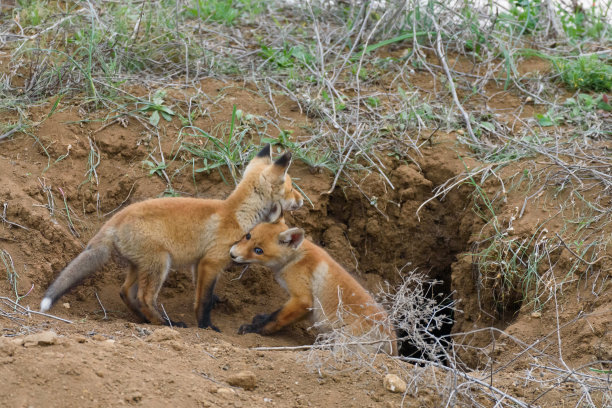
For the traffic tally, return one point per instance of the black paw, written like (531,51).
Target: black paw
(248,328)
(209,326)
(261,319)
(173,323)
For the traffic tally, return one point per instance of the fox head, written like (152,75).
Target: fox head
(271,180)
(269,244)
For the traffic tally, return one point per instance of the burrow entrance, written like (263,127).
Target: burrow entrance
(375,233)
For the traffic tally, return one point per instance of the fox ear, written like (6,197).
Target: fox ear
(264,156)
(279,168)
(265,153)
(284,161)
(293,237)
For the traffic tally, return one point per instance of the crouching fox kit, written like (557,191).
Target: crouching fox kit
(157,234)
(316,283)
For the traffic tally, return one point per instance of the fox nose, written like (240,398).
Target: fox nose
(232,255)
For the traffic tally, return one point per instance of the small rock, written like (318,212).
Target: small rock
(536,315)
(244,379)
(108,343)
(66,305)
(225,391)
(394,384)
(176,345)
(136,396)
(7,347)
(98,337)
(45,338)
(163,334)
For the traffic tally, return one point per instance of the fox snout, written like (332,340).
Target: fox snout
(292,205)
(235,257)
(297,204)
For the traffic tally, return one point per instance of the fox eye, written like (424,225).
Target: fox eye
(248,236)
(258,251)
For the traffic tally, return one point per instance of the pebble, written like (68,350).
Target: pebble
(163,334)
(45,338)
(244,379)
(394,384)
(225,391)
(7,347)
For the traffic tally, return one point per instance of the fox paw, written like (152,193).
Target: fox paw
(248,328)
(209,326)
(261,319)
(172,323)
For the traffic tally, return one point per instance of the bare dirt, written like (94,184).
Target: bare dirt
(105,357)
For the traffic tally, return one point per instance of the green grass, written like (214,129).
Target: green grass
(224,11)
(231,149)
(586,73)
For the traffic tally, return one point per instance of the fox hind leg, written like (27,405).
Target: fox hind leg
(149,285)
(207,274)
(129,291)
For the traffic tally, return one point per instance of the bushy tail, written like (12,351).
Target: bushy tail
(96,254)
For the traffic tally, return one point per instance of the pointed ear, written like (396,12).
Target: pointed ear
(265,153)
(264,156)
(293,237)
(284,161)
(279,168)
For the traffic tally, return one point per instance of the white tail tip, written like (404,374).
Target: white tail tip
(45,304)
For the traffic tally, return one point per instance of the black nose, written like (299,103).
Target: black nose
(233,256)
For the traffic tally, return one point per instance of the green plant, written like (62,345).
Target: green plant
(287,56)
(373,101)
(156,107)
(587,103)
(526,13)
(33,12)
(587,73)
(583,21)
(224,11)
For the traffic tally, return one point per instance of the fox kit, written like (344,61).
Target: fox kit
(316,283)
(157,234)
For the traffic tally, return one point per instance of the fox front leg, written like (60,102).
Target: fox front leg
(294,309)
(258,323)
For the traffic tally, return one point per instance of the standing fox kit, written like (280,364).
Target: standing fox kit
(157,234)
(316,283)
